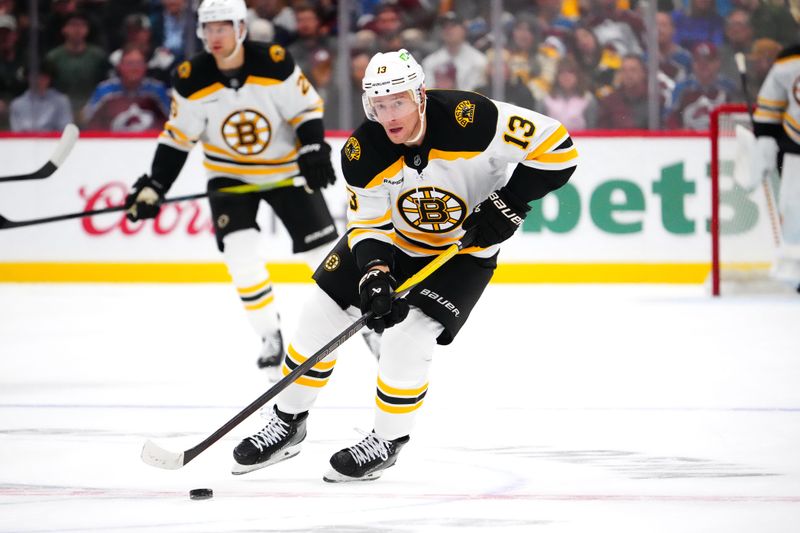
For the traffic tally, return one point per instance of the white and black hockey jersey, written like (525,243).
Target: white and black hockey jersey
(417,197)
(779,101)
(245,123)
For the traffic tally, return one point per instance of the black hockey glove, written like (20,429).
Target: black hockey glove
(494,219)
(376,289)
(315,165)
(144,200)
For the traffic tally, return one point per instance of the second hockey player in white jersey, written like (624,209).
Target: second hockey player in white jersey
(777,130)
(259,121)
(426,170)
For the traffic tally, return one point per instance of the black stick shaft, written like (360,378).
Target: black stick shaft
(8,224)
(337,341)
(287,380)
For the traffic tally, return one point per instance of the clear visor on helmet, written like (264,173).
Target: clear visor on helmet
(217,28)
(390,107)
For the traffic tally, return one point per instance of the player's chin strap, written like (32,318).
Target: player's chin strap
(421,110)
(239,41)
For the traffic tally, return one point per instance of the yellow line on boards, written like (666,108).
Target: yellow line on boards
(301,273)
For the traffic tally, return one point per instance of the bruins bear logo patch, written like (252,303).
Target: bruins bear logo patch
(184,70)
(277,53)
(465,113)
(352,149)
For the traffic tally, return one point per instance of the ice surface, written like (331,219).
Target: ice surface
(558,409)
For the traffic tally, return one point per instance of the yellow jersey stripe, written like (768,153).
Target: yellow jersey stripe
(389,172)
(367,231)
(787,59)
(288,158)
(283,169)
(450,156)
(259,80)
(772,103)
(429,239)
(548,143)
(558,157)
(773,115)
(202,93)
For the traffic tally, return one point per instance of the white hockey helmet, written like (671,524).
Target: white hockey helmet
(234,11)
(391,73)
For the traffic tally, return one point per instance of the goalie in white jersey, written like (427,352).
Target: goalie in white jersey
(259,121)
(777,130)
(428,169)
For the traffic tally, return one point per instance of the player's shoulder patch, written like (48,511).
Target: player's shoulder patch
(465,121)
(195,74)
(367,153)
(268,60)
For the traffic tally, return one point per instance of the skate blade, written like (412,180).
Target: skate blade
(288,453)
(332,476)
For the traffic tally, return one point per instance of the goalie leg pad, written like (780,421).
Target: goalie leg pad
(406,354)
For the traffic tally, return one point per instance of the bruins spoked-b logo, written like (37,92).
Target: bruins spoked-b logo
(352,149)
(431,210)
(465,113)
(332,262)
(247,132)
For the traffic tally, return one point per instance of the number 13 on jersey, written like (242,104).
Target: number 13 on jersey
(519,129)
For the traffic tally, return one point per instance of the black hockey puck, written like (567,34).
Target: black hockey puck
(201,494)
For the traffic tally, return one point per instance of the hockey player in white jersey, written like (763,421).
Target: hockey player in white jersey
(259,120)
(777,130)
(426,170)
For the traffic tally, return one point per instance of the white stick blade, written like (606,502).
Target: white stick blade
(65,144)
(156,456)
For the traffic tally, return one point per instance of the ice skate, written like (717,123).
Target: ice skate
(271,356)
(365,461)
(279,440)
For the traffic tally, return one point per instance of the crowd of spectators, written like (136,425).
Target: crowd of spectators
(105,64)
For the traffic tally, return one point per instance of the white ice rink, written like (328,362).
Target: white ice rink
(623,409)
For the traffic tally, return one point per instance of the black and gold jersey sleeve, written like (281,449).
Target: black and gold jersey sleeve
(268,60)
(466,121)
(368,156)
(195,75)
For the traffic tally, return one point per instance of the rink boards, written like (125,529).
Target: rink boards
(636,210)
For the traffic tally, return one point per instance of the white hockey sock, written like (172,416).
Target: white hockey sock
(320,321)
(246,262)
(406,354)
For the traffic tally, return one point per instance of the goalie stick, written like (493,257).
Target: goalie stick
(236,189)
(155,455)
(63,148)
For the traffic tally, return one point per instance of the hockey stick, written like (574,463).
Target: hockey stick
(155,455)
(63,148)
(236,189)
(769,193)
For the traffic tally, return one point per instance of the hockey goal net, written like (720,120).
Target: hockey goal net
(745,229)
